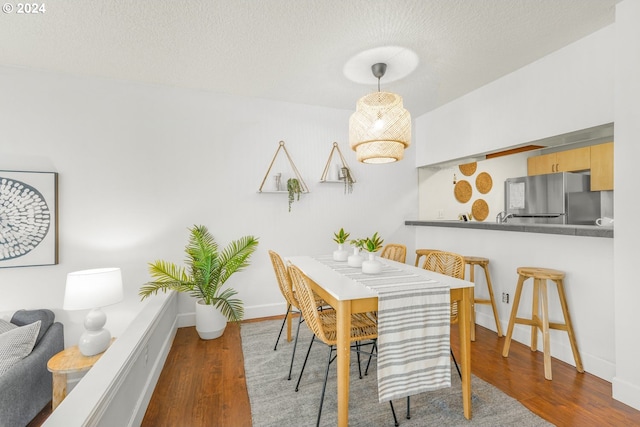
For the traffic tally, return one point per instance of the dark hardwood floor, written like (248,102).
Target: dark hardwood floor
(203,384)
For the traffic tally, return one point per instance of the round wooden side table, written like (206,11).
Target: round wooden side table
(68,361)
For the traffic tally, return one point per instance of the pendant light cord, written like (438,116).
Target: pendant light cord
(378,71)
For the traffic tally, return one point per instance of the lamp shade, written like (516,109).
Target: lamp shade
(93,288)
(380,128)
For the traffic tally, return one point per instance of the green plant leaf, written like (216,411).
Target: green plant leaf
(205,272)
(341,236)
(358,243)
(294,189)
(373,243)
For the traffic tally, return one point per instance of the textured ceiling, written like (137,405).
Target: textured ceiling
(295,50)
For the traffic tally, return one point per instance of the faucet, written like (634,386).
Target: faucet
(502,217)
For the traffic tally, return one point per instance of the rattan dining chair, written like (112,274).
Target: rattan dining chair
(395,252)
(448,263)
(284,283)
(324,328)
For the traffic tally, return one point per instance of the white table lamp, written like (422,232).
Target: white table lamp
(93,289)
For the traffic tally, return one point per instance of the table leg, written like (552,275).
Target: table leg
(465,349)
(59,389)
(343,318)
(289,326)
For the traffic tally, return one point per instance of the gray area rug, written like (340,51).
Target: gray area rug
(274,401)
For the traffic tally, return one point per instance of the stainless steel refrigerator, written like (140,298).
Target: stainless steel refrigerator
(556,198)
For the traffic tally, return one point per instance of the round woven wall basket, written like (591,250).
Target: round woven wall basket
(480,210)
(468,169)
(484,183)
(462,191)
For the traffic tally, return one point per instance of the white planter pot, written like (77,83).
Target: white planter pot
(340,254)
(371,266)
(210,322)
(356,259)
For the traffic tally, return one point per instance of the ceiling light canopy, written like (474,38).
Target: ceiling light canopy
(380,128)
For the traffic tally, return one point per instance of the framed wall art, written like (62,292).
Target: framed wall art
(28,218)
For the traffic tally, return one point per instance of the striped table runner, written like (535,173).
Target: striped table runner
(414,318)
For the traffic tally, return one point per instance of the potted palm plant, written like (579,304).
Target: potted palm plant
(206,271)
(372,245)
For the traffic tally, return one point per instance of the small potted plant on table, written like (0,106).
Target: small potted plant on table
(372,245)
(355,260)
(340,237)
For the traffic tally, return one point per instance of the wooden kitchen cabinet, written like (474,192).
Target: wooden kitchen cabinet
(539,165)
(602,167)
(562,161)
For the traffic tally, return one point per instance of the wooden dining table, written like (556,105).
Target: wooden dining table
(347,296)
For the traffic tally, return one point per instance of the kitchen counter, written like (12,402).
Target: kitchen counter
(568,230)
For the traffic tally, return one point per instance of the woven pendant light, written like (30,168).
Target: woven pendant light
(380,128)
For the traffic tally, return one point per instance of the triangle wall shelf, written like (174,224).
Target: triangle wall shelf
(283,149)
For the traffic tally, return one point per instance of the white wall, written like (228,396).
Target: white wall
(570,89)
(140,164)
(588,285)
(565,91)
(626,384)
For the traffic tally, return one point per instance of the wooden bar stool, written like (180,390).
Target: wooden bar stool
(540,277)
(472,261)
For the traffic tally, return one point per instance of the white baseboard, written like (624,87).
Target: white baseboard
(266,310)
(626,392)
(254,312)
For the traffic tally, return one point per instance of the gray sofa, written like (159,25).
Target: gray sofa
(26,388)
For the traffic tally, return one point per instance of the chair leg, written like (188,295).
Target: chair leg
(286,316)
(393,411)
(305,362)
(324,386)
(512,317)
(567,321)
(492,300)
(535,314)
(295,344)
(374,349)
(358,357)
(546,343)
(455,362)
(408,407)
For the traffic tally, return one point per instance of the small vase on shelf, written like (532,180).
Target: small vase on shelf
(277,181)
(355,260)
(371,266)
(340,254)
